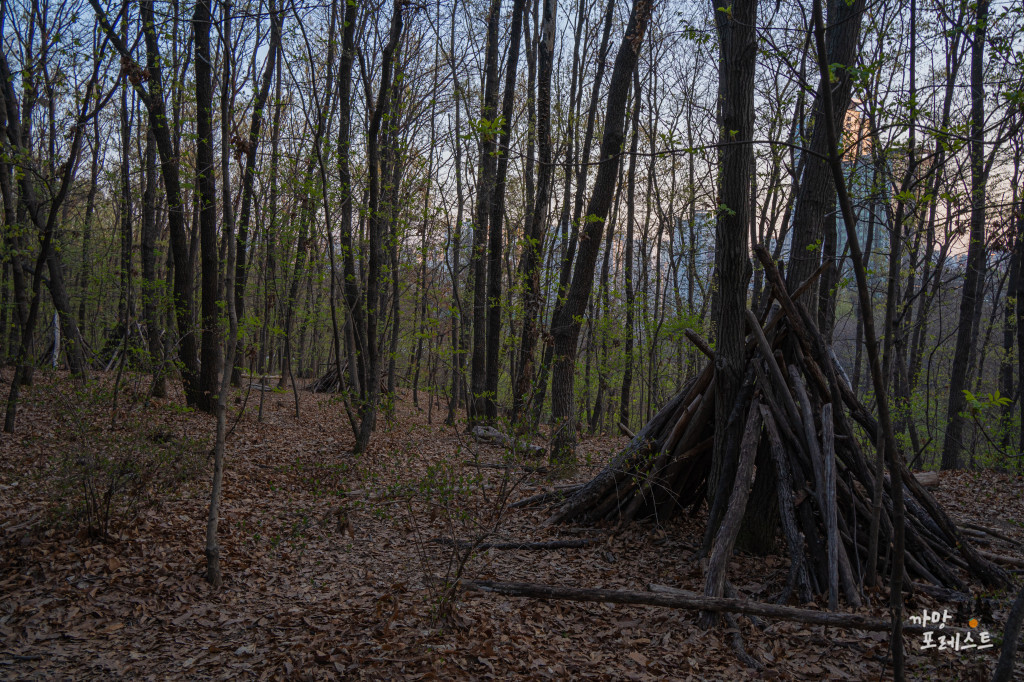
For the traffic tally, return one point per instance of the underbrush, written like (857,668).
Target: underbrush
(115,454)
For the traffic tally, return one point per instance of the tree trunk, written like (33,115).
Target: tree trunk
(816,194)
(533,246)
(376,227)
(738,51)
(158,123)
(151,286)
(478,399)
(249,147)
(497,210)
(627,369)
(458,326)
(566,328)
(85,273)
(125,206)
(207,183)
(976,252)
(213,572)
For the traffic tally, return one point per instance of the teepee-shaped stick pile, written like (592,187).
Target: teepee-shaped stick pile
(798,408)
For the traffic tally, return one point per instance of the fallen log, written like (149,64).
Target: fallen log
(502,465)
(530,546)
(544,497)
(489,434)
(852,621)
(730,592)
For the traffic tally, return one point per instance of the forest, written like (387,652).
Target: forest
(482,339)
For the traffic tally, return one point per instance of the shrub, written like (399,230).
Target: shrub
(104,471)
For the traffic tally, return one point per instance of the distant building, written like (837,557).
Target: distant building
(869,194)
(869,191)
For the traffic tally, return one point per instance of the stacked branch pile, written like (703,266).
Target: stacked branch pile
(834,501)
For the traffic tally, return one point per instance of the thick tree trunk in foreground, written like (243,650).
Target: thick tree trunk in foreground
(738,51)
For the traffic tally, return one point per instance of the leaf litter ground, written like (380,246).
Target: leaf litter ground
(331,569)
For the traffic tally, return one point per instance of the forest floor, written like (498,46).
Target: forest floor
(330,568)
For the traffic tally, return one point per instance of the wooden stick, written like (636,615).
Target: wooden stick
(809,434)
(841,565)
(702,345)
(985,529)
(725,540)
(638,448)
(1008,560)
(501,465)
(736,643)
(768,393)
(782,391)
(831,523)
(784,487)
(853,621)
(807,282)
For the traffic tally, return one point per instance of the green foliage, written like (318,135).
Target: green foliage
(977,405)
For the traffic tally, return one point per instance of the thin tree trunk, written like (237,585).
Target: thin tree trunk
(497,211)
(816,193)
(85,273)
(878,380)
(477,407)
(213,572)
(566,327)
(153,95)
(976,252)
(627,371)
(249,148)
(150,284)
(377,227)
(125,207)
(459,328)
(206,181)
(533,248)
